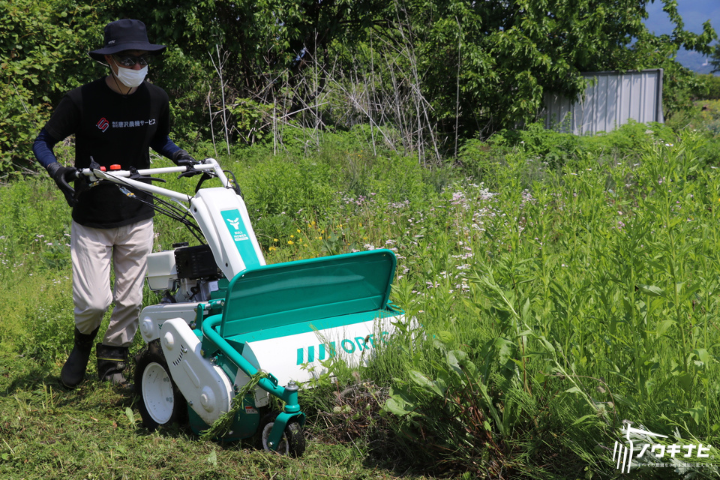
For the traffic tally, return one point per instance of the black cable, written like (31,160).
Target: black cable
(193,228)
(172,211)
(235,184)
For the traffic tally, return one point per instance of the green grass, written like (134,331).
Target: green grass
(94,432)
(575,288)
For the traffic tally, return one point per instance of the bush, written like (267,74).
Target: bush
(708,87)
(43,54)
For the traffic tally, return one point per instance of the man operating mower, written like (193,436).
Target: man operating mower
(115,120)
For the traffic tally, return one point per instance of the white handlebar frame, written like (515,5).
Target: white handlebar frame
(120,177)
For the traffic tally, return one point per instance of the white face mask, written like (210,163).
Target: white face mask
(131,77)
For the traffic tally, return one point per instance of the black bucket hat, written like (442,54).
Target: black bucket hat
(124,35)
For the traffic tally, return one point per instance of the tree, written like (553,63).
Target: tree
(42,45)
(715,58)
(513,52)
(476,66)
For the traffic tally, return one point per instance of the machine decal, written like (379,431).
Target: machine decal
(237,229)
(348,345)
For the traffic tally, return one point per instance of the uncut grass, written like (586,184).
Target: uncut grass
(617,264)
(584,293)
(600,282)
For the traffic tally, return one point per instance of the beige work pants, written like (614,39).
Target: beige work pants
(93,250)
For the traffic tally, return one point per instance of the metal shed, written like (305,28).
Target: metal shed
(611,99)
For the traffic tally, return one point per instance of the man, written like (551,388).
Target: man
(115,119)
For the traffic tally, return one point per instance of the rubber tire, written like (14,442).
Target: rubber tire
(153,353)
(293,436)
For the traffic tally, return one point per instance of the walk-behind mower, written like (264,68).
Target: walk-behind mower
(231,331)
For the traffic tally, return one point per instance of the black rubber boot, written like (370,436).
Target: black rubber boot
(73,372)
(111,362)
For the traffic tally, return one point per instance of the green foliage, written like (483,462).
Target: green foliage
(43,47)
(592,285)
(251,119)
(469,67)
(553,150)
(708,87)
(450,420)
(52,325)
(506,56)
(280,190)
(92,432)
(715,58)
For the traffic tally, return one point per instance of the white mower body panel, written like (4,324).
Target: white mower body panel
(299,357)
(152,317)
(222,216)
(204,385)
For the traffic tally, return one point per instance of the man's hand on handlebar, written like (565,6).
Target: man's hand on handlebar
(62,175)
(184,159)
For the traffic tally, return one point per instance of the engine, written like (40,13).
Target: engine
(183,274)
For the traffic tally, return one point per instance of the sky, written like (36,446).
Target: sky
(694,13)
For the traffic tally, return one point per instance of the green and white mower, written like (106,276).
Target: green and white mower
(228,320)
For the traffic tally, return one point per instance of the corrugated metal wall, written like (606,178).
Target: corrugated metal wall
(610,101)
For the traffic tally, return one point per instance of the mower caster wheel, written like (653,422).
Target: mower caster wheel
(292,441)
(160,401)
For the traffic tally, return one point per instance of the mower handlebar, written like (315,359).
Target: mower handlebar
(149,171)
(124,177)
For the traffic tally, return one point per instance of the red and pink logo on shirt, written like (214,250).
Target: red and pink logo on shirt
(103,124)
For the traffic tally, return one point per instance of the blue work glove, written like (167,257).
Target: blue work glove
(183,159)
(63,175)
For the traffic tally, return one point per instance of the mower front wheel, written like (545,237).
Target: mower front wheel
(160,402)
(292,441)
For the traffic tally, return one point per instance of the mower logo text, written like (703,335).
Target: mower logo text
(236,228)
(348,345)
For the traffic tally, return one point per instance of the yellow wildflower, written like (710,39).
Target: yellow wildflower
(290,242)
